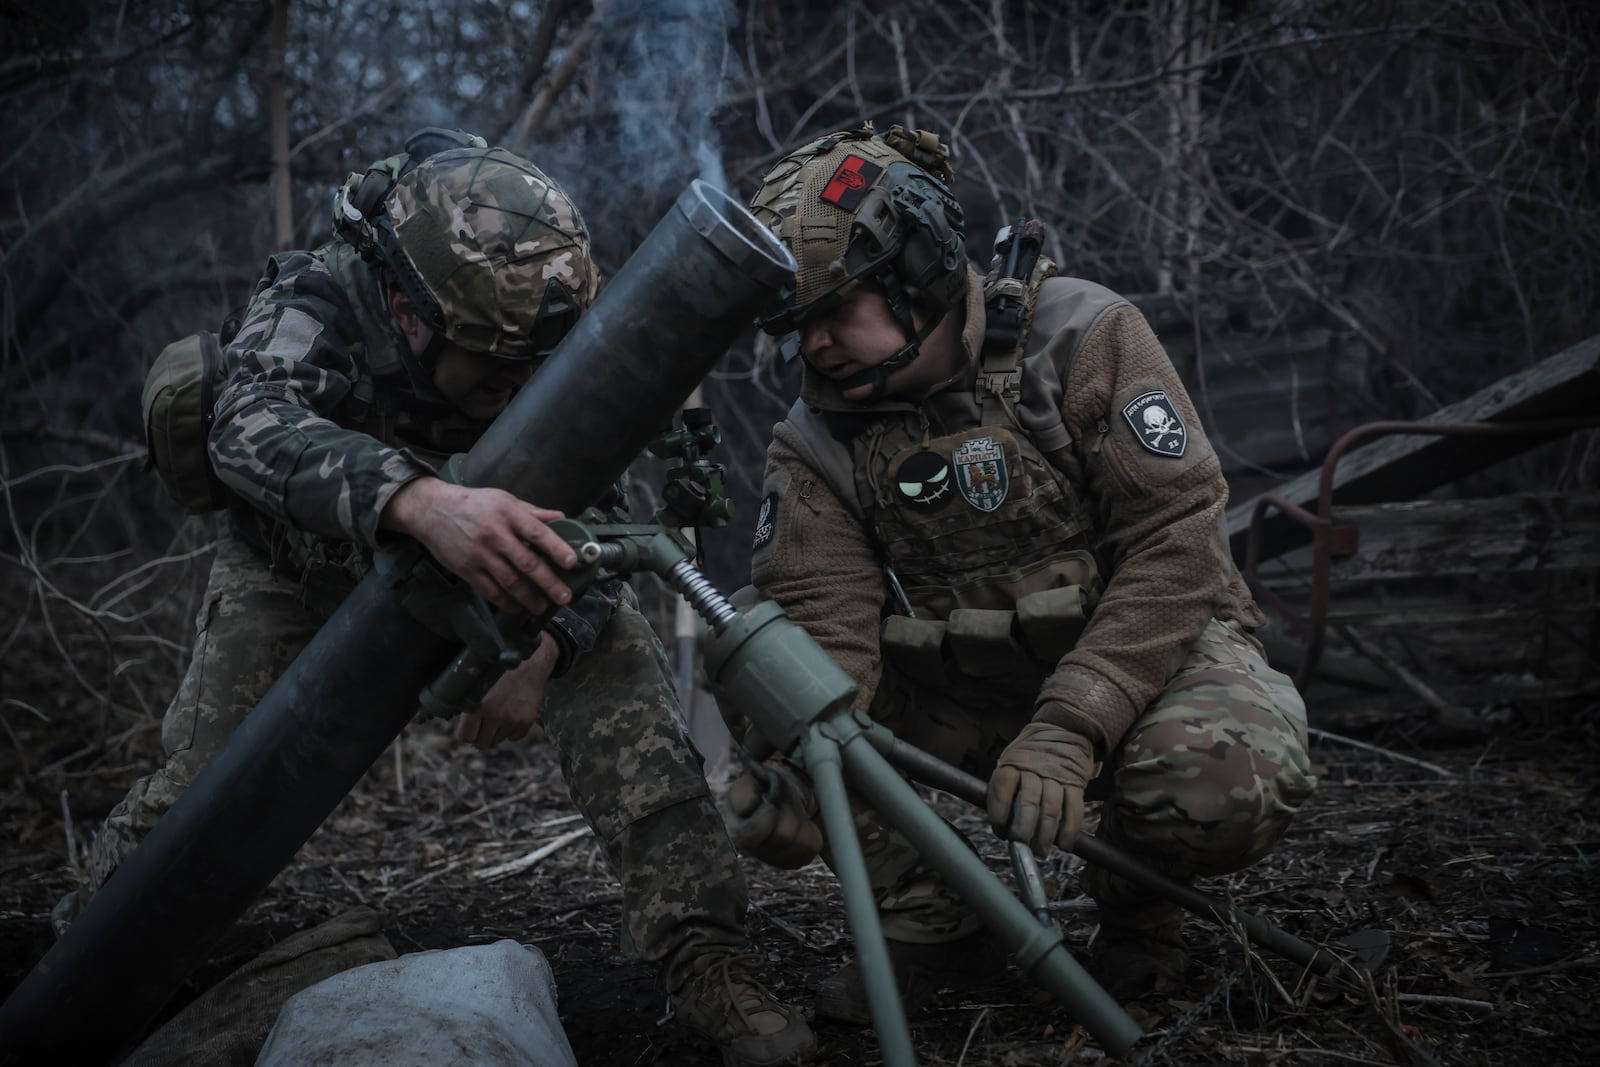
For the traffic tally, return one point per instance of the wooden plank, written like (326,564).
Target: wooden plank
(1438,616)
(1344,712)
(1564,386)
(1265,405)
(1430,538)
(1479,621)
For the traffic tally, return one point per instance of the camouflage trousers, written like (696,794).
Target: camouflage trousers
(614,719)
(1205,781)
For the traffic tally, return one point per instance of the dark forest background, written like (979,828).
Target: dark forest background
(1333,212)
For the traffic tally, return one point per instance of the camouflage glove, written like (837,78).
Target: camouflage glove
(770,815)
(1036,791)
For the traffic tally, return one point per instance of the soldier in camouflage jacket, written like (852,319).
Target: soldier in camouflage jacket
(994,505)
(359,368)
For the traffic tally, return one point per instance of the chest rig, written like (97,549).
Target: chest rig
(988,543)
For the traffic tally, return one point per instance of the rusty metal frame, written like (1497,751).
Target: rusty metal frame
(1329,540)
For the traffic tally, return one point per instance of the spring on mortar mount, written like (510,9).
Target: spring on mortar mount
(702,595)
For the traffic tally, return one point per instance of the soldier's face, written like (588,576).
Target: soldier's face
(859,332)
(479,386)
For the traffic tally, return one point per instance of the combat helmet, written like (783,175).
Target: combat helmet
(863,206)
(492,254)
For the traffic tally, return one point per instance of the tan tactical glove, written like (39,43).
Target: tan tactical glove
(770,816)
(1036,791)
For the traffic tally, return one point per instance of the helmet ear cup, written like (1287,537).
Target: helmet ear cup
(373,185)
(359,219)
(358,214)
(932,253)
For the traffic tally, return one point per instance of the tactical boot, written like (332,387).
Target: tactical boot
(1139,951)
(723,1003)
(920,971)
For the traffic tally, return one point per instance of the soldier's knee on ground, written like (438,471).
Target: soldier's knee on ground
(1210,798)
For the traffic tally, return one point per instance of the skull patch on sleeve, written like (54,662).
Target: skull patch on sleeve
(1156,423)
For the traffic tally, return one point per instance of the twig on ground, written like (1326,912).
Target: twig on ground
(523,863)
(1560,965)
(970,1032)
(566,917)
(339,876)
(1437,998)
(421,880)
(512,799)
(1279,1054)
(1389,753)
(22,750)
(1253,960)
(794,932)
(72,838)
(1448,712)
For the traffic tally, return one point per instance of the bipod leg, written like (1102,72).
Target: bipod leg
(824,766)
(1030,885)
(1370,945)
(1036,947)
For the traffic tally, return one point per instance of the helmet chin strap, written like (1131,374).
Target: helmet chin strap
(419,367)
(878,376)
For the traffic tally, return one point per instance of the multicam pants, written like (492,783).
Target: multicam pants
(614,719)
(1205,781)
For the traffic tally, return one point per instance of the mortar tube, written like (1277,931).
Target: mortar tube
(699,278)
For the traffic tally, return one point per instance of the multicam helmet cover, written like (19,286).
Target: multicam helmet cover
(499,248)
(861,205)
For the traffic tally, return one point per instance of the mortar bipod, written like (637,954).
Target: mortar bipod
(776,675)
(1370,946)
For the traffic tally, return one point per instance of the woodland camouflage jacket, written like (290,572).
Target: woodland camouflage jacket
(320,425)
(305,431)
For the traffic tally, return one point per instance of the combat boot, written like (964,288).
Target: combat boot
(1139,951)
(721,1002)
(920,971)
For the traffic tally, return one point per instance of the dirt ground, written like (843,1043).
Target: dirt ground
(1477,856)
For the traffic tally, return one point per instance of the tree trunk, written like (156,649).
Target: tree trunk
(282,200)
(522,135)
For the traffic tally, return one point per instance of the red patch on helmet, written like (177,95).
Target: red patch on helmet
(850,182)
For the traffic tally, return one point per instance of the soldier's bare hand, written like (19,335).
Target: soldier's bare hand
(497,543)
(511,708)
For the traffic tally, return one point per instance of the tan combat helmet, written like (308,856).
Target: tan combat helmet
(491,252)
(862,206)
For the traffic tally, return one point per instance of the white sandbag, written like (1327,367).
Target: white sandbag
(490,1005)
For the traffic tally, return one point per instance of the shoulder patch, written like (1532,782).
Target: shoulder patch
(1156,424)
(850,182)
(766,521)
